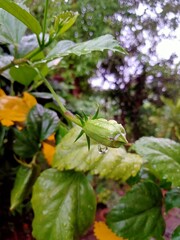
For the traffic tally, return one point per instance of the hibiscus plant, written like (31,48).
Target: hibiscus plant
(57,151)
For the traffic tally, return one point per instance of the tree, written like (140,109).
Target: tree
(142,75)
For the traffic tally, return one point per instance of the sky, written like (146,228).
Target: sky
(168,46)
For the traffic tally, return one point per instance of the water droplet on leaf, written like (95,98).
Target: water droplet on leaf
(102,149)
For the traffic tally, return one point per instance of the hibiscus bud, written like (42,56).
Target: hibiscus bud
(108,133)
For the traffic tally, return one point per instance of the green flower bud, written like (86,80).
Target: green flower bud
(108,133)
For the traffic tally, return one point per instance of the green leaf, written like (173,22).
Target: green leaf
(21,14)
(41,123)
(60,50)
(110,163)
(11,29)
(24,145)
(162,156)
(64,21)
(64,205)
(176,234)
(138,214)
(66,47)
(23,74)
(60,133)
(25,178)
(172,199)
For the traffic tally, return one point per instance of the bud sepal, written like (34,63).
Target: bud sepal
(108,133)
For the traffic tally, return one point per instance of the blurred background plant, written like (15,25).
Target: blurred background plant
(167,120)
(132,87)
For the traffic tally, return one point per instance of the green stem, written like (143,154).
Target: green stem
(23,163)
(13,63)
(12,88)
(38,50)
(25,59)
(6,67)
(66,113)
(45,21)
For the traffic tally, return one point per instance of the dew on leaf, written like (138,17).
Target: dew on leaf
(102,149)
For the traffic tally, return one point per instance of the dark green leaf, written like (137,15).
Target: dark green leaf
(138,214)
(21,14)
(25,146)
(23,74)
(41,122)
(172,199)
(176,234)
(110,163)
(162,156)
(143,174)
(64,205)
(24,181)
(11,29)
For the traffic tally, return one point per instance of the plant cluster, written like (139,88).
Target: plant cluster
(57,151)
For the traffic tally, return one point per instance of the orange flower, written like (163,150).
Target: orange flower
(15,109)
(48,149)
(102,232)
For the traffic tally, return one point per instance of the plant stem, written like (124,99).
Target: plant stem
(66,113)
(13,63)
(45,22)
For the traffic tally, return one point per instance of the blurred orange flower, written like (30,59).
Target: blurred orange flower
(102,232)
(48,149)
(15,109)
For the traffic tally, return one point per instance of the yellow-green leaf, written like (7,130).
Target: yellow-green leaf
(113,163)
(64,21)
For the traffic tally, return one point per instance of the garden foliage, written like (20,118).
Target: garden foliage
(63,199)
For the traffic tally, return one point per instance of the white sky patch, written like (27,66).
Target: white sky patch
(166,47)
(141,9)
(99,82)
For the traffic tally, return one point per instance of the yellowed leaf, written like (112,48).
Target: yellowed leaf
(2,93)
(29,100)
(7,122)
(102,232)
(48,149)
(15,109)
